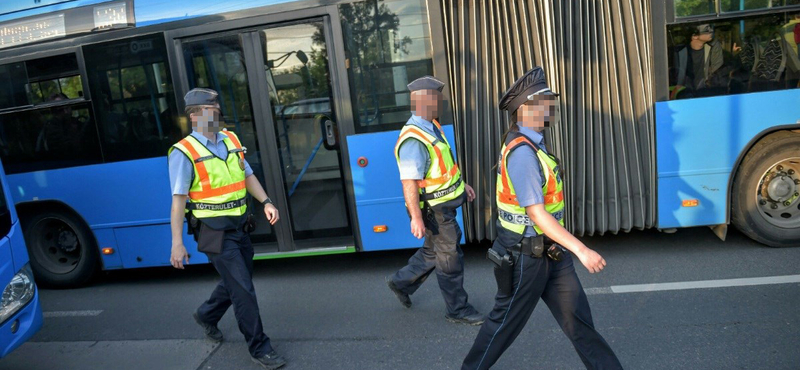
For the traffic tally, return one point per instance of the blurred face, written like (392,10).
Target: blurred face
(207,121)
(426,103)
(705,37)
(705,33)
(537,114)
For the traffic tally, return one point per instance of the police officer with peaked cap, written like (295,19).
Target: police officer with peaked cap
(530,262)
(433,191)
(210,178)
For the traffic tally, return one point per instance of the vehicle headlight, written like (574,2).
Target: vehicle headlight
(17,293)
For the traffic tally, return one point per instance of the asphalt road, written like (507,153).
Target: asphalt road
(335,312)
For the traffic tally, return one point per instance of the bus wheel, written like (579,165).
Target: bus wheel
(62,249)
(766,191)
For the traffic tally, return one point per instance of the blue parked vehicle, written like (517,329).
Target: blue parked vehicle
(20,312)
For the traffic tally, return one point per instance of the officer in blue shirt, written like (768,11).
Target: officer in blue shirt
(524,271)
(440,251)
(235,260)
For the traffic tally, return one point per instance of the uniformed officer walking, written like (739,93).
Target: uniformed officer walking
(433,190)
(208,169)
(529,265)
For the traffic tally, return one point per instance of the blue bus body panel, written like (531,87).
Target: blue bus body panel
(698,143)
(17,246)
(134,211)
(19,253)
(107,239)
(7,269)
(144,246)
(147,12)
(379,194)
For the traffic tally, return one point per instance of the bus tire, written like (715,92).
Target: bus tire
(765,199)
(62,249)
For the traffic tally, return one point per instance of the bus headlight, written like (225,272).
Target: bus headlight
(17,293)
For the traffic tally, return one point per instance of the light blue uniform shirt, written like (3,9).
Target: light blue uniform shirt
(526,173)
(414,157)
(181,170)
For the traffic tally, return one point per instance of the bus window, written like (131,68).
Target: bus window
(51,76)
(732,56)
(688,8)
(49,138)
(387,45)
(12,91)
(739,5)
(133,98)
(59,132)
(40,81)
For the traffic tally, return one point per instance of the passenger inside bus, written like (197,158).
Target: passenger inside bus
(734,56)
(63,131)
(791,39)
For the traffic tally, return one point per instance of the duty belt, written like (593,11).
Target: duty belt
(216,206)
(441,193)
(532,246)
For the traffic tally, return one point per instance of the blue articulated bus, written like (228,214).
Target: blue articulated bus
(91,99)
(20,312)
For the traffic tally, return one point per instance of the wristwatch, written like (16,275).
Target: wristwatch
(267,201)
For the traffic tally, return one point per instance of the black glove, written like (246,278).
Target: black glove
(250,223)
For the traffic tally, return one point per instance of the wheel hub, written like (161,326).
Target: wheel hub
(778,194)
(67,241)
(55,245)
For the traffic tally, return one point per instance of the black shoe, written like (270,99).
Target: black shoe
(473,319)
(270,361)
(404,298)
(212,332)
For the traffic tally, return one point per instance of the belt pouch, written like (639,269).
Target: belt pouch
(210,240)
(533,246)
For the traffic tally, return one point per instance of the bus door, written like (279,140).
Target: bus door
(276,93)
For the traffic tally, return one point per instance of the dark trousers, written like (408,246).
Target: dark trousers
(440,253)
(558,286)
(235,266)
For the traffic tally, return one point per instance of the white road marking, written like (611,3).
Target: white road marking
(702,284)
(593,291)
(73,313)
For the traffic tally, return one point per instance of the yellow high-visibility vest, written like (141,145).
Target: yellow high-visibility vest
(442,180)
(218,187)
(511,215)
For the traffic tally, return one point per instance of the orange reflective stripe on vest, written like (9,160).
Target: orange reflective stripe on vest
(205,183)
(438,126)
(551,195)
(439,180)
(227,189)
(447,175)
(235,141)
(442,167)
(201,167)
